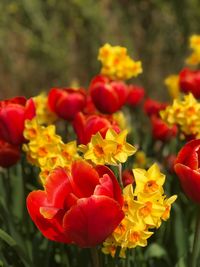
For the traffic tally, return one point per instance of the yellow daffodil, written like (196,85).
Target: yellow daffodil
(185,113)
(172,83)
(113,149)
(194,58)
(117,64)
(43,113)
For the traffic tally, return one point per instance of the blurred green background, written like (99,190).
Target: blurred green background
(47,43)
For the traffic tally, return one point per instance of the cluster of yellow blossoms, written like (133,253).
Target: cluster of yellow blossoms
(117,64)
(46,149)
(113,149)
(43,113)
(184,113)
(145,207)
(194,58)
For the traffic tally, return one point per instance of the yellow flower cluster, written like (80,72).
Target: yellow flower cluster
(112,150)
(117,64)
(194,58)
(43,113)
(184,113)
(172,83)
(46,149)
(144,209)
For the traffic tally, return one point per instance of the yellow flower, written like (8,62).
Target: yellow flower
(194,58)
(172,83)
(112,149)
(116,64)
(120,118)
(141,160)
(150,181)
(185,113)
(46,149)
(43,113)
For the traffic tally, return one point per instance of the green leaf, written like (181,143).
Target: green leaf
(155,251)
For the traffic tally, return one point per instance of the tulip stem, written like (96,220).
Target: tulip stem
(95,257)
(120,174)
(196,244)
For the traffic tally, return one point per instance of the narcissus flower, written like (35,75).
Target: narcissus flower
(184,113)
(108,95)
(116,64)
(9,154)
(87,125)
(66,102)
(189,81)
(43,113)
(81,206)
(13,113)
(194,58)
(112,149)
(46,149)
(172,83)
(187,168)
(144,208)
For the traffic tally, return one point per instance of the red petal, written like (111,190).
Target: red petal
(190,181)
(116,187)
(50,228)
(92,220)
(59,189)
(105,188)
(84,178)
(189,154)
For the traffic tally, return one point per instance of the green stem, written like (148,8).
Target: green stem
(95,257)
(196,244)
(120,174)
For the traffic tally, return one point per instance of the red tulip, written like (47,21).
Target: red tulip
(82,206)
(87,125)
(135,95)
(187,167)
(13,113)
(189,81)
(160,129)
(127,177)
(9,154)
(153,107)
(66,102)
(107,95)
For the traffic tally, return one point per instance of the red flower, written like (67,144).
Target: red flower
(135,95)
(13,113)
(187,167)
(87,125)
(66,102)
(127,177)
(9,154)
(160,129)
(189,81)
(83,206)
(107,95)
(153,107)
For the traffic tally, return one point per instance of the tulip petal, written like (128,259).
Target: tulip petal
(92,220)
(59,190)
(85,178)
(192,149)
(116,188)
(51,228)
(190,181)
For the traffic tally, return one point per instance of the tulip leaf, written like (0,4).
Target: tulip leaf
(155,251)
(179,231)
(12,243)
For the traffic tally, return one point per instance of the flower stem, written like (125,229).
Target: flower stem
(120,174)
(95,257)
(196,244)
